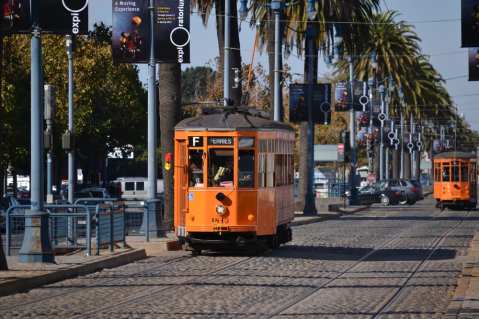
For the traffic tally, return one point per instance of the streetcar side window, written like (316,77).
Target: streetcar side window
(246,168)
(446,174)
(262,170)
(196,168)
(221,167)
(437,172)
(455,172)
(464,172)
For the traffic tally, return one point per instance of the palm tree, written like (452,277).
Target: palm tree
(204,8)
(348,14)
(169,113)
(400,58)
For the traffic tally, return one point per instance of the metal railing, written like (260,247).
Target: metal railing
(71,226)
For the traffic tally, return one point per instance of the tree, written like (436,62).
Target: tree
(169,111)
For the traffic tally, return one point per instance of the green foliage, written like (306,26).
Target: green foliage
(109,99)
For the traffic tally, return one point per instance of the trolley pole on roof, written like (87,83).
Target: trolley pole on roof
(150,225)
(226,62)
(36,242)
(277,7)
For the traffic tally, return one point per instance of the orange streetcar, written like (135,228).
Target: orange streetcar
(233,181)
(455,180)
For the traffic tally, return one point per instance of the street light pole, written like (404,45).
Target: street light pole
(226,58)
(149,225)
(310,201)
(352,137)
(381,141)
(277,6)
(71,129)
(36,242)
(49,97)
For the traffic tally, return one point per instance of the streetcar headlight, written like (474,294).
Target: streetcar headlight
(220,210)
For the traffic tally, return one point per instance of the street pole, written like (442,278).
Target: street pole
(352,137)
(277,6)
(150,225)
(49,97)
(402,144)
(413,152)
(36,242)
(370,129)
(310,201)
(381,142)
(386,149)
(226,58)
(71,151)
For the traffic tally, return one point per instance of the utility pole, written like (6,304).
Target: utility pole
(71,129)
(352,137)
(402,144)
(386,150)
(413,152)
(277,7)
(36,242)
(150,224)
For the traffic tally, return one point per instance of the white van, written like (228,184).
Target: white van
(136,188)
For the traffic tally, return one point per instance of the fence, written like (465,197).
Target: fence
(70,226)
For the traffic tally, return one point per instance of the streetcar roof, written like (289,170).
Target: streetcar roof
(452,155)
(230,121)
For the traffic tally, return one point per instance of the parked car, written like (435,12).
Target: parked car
(93,192)
(398,191)
(417,189)
(135,188)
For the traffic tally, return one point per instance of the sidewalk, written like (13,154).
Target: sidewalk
(465,303)
(22,277)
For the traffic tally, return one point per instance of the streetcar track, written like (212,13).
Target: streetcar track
(77,289)
(393,240)
(162,289)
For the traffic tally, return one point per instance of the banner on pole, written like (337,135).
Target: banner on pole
(64,16)
(54,16)
(131,31)
(321,100)
(473,64)
(470,23)
(15,16)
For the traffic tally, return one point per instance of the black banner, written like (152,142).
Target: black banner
(473,64)
(64,16)
(131,31)
(298,110)
(16,16)
(54,16)
(470,23)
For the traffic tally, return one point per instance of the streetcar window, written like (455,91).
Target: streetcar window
(437,172)
(262,170)
(246,168)
(455,171)
(195,168)
(246,142)
(221,167)
(464,172)
(446,174)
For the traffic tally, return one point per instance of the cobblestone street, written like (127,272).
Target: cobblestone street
(399,262)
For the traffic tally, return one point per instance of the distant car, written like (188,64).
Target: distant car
(417,189)
(93,192)
(395,192)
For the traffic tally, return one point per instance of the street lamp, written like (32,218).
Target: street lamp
(277,7)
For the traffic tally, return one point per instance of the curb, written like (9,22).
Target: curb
(316,219)
(25,284)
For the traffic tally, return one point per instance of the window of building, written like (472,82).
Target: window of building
(246,168)
(221,167)
(195,168)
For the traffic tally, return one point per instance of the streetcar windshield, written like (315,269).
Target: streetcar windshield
(220,167)
(196,168)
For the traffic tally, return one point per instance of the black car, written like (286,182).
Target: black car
(385,192)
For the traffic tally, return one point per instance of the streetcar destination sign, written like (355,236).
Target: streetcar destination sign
(195,141)
(220,141)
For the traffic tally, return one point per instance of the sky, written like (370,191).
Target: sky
(437,22)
